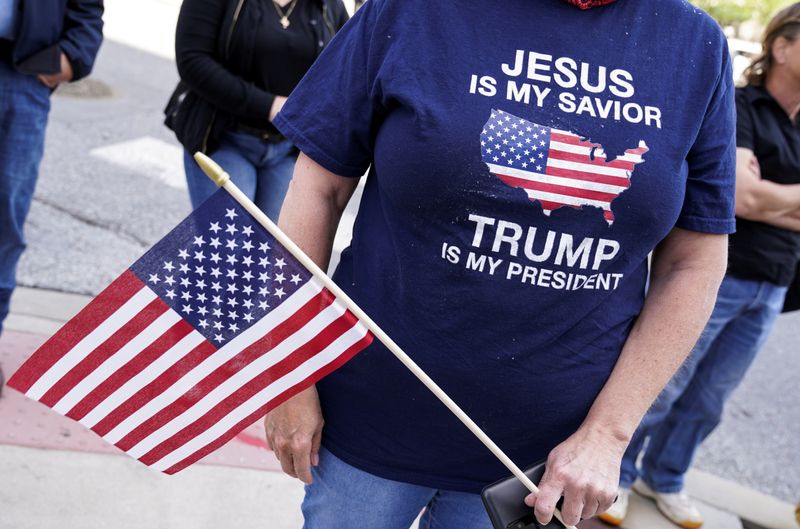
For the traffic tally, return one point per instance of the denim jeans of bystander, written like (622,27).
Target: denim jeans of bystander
(260,169)
(24,108)
(691,405)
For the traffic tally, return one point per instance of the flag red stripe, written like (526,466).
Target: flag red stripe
(132,368)
(585,159)
(547,205)
(572,139)
(588,177)
(104,351)
(261,347)
(302,354)
(561,190)
(278,400)
(155,388)
(75,330)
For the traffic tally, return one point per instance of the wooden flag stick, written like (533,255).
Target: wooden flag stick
(223,179)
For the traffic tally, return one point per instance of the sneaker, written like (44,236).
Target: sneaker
(615,515)
(678,507)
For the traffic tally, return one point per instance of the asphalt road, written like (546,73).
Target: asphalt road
(111,185)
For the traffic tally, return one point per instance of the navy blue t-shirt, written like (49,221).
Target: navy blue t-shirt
(525,158)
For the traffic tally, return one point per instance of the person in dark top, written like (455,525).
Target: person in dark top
(763,257)
(238,61)
(43,43)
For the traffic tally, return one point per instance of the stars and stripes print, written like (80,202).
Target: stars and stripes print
(213,327)
(554,167)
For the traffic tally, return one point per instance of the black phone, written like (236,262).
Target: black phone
(504,502)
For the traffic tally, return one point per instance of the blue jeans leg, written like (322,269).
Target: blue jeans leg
(343,497)
(727,306)
(455,510)
(24,108)
(674,441)
(261,170)
(274,177)
(229,157)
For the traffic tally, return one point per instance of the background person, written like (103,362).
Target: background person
(238,60)
(43,43)
(763,257)
(561,373)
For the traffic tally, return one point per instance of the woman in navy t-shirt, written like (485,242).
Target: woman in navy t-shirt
(524,160)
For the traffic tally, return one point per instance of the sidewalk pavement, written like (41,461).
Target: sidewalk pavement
(55,473)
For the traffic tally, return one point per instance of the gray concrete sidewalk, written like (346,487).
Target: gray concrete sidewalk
(82,490)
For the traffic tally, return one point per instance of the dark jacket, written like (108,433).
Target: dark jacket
(48,27)
(211,44)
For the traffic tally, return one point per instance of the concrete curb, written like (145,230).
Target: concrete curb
(755,508)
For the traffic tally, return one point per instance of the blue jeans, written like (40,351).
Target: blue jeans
(343,497)
(24,107)
(690,407)
(261,170)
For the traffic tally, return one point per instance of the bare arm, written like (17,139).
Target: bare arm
(309,216)
(761,200)
(789,221)
(687,269)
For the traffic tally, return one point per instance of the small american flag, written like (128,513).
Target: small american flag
(213,327)
(555,167)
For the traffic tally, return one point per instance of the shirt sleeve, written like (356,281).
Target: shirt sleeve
(332,114)
(744,122)
(196,35)
(709,202)
(83,33)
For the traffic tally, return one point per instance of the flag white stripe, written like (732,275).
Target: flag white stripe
(564,199)
(588,168)
(599,153)
(225,353)
(239,379)
(576,149)
(247,408)
(90,342)
(135,346)
(556,180)
(144,377)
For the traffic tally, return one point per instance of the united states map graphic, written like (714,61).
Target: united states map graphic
(557,168)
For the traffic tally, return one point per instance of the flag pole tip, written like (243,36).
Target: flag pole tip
(212,169)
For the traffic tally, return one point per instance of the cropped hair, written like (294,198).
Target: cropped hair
(785,24)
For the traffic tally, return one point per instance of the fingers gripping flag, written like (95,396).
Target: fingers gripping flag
(213,327)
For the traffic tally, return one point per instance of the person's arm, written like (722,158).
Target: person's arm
(687,269)
(787,221)
(199,26)
(309,216)
(79,42)
(761,200)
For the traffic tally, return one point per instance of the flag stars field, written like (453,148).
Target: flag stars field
(244,247)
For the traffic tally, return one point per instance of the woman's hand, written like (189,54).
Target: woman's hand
(294,430)
(585,470)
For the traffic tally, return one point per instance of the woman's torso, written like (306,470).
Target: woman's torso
(517,307)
